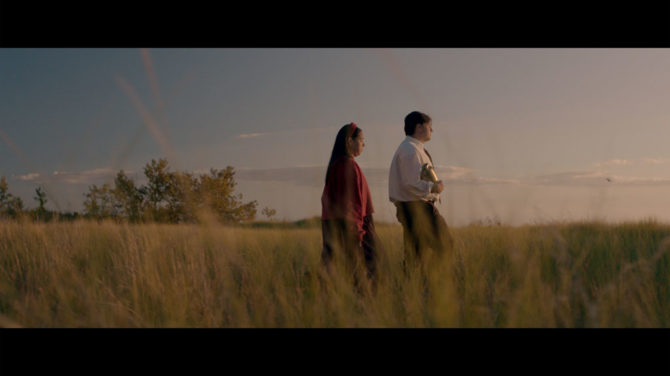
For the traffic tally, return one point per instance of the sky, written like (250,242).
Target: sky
(521,135)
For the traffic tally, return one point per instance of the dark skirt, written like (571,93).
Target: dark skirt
(340,237)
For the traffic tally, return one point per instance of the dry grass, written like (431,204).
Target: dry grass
(89,274)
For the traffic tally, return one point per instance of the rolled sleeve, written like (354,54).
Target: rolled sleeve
(410,175)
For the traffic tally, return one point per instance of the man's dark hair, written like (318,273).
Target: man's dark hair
(414,118)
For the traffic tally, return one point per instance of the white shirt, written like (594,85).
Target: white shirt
(405,182)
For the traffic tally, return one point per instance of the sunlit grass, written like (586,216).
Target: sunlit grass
(90,274)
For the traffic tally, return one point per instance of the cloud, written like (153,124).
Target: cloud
(307,175)
(85,177)
(376,176)
(631,162)
(634,180)
(569,178)
(287,132)
(594,178)
(310,176)
(94,176)
(464,175)
(252,135)
(613,162)
(654,161)
(453,172)
(29,177)
(487,180)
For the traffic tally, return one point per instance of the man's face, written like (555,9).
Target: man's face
(424,131)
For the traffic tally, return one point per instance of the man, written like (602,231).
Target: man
(414,195)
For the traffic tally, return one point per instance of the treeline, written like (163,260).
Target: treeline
(9,205)
(12,207)
(168,196)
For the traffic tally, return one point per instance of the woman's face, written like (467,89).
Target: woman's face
(355,145)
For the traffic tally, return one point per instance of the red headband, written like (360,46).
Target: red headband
(353,128)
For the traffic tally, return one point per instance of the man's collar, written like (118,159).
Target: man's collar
(414,141)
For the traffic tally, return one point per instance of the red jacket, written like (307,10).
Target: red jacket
(346,194)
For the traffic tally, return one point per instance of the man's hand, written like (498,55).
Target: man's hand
(437,187)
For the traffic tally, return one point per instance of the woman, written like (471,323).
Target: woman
(346,207)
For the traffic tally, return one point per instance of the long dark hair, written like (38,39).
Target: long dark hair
(340,147)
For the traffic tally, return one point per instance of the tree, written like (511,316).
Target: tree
(4,194)
(170,197)
(216,193)
(158,188)
(9,205)
(41,212)
(128,200)
(100,202)
(268,212)
(122,201)
(41,198)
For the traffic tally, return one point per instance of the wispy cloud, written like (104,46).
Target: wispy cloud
(488,180)
(288,131)
(569,178)
(28,177)
(311,176)
(453,172)
(613,162)
(631,162)
(591,178)
(94,176)
(252,135)
(654,161)
(377,176)
(464,175)
(635,180)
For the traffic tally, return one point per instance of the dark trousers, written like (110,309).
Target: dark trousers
(423,228)
(340,237)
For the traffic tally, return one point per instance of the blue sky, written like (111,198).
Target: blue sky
(522,134)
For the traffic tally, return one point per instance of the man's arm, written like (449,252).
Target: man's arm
(409,166)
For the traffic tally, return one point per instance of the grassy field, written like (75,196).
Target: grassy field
(90,274)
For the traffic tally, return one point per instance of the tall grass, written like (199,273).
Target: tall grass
(90,274)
